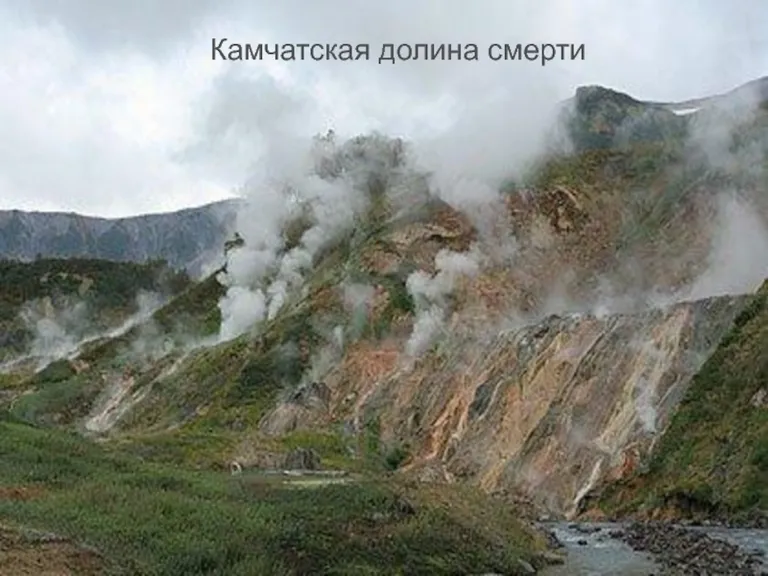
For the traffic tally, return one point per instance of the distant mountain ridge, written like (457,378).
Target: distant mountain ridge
(753,91)
(185,238)
(749,93)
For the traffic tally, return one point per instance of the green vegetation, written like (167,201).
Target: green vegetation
(107,289)
(327,444)
(151,519)
(605,118)
(398,304)
(195,310)
(201,383)
(713,460)
(57,402)
(105,284)
(54,372)
(603,168)
(657,211)
(379,456)
(395,457)
(187,448)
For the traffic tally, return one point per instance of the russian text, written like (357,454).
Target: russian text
(222,49)
(405,52)
(531,52)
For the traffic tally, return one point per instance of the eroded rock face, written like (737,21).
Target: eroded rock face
(307,405)
(551,408)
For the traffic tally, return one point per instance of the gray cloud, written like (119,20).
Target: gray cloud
(238,113)
(145,25)
(115,107)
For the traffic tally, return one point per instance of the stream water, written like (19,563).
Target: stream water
(592,552)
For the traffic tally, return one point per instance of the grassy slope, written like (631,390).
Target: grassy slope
(713,458)
(162,517)
(111,284)
(60,396)
(195,309)
(151,519)
(108,289)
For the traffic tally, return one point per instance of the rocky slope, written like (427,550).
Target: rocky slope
(711,463)
(551,408)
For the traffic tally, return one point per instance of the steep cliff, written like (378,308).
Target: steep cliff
(712,462)
(552,408)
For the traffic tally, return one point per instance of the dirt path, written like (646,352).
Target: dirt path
(37,554)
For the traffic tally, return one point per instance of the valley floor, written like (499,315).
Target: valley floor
(147,518)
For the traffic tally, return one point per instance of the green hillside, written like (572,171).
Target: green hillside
(712,461)
(105,292)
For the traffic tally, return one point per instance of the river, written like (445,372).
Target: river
(591,551)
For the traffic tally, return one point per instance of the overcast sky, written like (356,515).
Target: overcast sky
(114,107)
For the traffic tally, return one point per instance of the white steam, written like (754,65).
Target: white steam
(56,334)
(358,301)
(358,296)
(429,323)
(738,261)
(333,208)
(330,189)
(62,333)
(430,293)
(738,258)
(240,308)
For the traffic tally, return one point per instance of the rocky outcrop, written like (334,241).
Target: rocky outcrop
(551,408)
(309,403)
(302,459)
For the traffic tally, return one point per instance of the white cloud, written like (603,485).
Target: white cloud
(116,107)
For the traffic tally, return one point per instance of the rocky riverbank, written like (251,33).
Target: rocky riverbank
(656,549)
(684,551)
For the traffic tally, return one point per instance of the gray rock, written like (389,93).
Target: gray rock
(526,567)
(689,551)
(552,558)
(302,459)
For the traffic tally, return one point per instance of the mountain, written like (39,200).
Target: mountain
(402,380)
(755,91)
(187,238)
(601,117)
